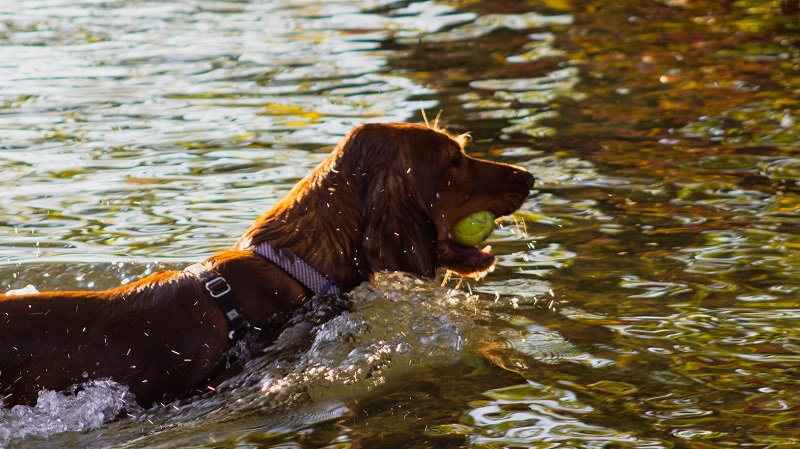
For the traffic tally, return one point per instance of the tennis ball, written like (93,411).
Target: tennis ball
(473,229)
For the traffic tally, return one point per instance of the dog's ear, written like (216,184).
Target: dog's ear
(397,191)
(398,234)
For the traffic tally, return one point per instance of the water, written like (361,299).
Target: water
(645,297)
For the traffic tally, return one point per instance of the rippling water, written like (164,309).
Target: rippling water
(645,297)
(152,113)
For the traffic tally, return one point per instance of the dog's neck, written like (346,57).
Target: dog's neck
(319,221)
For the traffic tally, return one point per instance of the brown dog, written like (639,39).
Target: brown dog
(385,199)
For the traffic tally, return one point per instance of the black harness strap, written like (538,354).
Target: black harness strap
(219,288)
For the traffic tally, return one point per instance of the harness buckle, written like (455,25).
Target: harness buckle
(218,287)
(233,314)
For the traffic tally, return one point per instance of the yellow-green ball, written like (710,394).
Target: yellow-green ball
(473,229)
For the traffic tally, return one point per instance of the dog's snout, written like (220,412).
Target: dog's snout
(523,176)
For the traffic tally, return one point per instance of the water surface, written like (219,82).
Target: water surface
(645,297)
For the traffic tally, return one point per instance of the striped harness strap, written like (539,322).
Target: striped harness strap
(299,270)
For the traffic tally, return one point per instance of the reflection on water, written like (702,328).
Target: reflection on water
(646,297)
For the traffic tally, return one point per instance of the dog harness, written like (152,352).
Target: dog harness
(218,287)
(299,270)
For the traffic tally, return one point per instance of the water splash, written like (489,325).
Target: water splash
(399,324)
(87,406)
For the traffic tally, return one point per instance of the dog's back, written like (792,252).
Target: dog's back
(138,335)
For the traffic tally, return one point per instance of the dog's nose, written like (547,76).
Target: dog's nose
(524,176)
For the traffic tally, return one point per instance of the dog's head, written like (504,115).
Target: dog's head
(416,184)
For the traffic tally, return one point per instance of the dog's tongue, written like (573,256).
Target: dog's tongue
(466,261)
